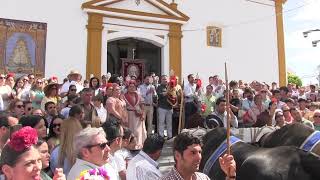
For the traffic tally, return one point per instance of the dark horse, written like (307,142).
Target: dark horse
(254,163)
(295,134)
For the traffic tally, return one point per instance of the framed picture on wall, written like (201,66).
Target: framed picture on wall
(22,47)
(214,36)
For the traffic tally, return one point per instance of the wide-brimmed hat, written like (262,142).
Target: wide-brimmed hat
(49,86)
(72,72)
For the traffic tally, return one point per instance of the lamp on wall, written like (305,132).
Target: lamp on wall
(314,43)
(305,34)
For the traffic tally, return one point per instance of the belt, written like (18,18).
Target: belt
(147,104)
(131,110)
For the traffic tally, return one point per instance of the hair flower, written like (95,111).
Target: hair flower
(23,139)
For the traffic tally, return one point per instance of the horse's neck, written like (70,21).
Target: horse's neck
(242,150)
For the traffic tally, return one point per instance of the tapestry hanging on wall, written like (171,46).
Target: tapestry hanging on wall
(22,47)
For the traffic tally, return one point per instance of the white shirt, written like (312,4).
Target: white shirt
(189,91)
(148,98)
(65,86)
(121,156)
(112,163)
(142,167)
(102,113)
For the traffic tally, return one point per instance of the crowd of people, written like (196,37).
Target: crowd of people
(120,125)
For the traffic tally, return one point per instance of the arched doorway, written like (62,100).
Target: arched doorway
(132,48)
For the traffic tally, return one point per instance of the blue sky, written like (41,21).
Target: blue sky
(301,57)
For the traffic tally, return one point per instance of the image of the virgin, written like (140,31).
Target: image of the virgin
(20,51)
(133,70)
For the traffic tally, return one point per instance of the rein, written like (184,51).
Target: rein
(311,142)
(218,152)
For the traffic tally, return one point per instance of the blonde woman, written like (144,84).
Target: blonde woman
(37,94)
(64,155)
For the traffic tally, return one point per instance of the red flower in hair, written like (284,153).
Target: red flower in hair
(23,139)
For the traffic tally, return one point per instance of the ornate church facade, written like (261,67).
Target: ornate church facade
(137,37)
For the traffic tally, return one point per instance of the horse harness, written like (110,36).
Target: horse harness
(311,142)
(218,152)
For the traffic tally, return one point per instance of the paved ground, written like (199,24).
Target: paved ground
(166,160)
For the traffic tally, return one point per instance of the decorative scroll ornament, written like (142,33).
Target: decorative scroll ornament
(138,2)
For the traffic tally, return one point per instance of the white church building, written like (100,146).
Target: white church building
(142,36)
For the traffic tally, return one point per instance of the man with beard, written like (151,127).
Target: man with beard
(187,156)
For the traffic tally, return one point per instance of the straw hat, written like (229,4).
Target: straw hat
(72,72)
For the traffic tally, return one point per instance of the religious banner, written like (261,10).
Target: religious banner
(22,47)
(133,68)
(214,36)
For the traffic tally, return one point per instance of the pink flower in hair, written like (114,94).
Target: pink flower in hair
(23,139)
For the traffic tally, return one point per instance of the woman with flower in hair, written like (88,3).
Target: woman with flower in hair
(21,160)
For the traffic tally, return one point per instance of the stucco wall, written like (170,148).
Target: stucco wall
(249,48)
(249,43)
(66,31)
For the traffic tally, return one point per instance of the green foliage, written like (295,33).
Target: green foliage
(294,79)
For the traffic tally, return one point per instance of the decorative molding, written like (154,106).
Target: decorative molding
(168,9)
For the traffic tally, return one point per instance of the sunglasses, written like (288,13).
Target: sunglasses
(316,116)
(25,80)
(73,89)
(39,82)
(56,125)
(101,145)
(19,106)
(2,77)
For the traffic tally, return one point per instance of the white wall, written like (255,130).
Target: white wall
(66,31)
(250,49)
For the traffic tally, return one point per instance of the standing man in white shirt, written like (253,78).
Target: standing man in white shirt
(148,91)
(74,78)
(144,166)
(189,94)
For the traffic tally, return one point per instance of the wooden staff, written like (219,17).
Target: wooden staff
(181,108)
(228,107)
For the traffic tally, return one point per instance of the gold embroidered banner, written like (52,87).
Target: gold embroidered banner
(22,47)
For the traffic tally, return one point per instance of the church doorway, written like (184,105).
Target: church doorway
(134,51)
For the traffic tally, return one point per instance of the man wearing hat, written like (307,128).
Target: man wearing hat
(74,78)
